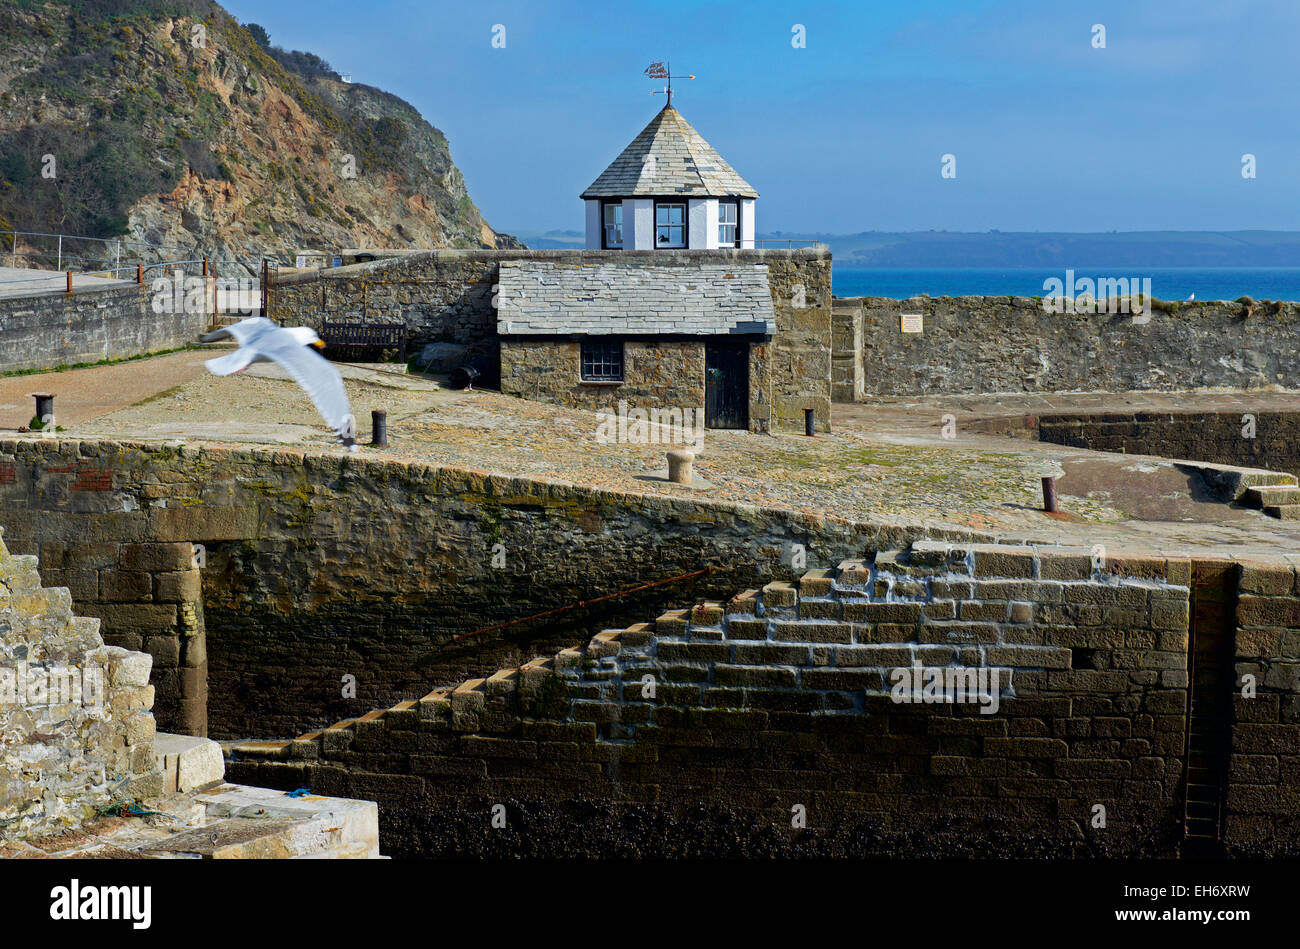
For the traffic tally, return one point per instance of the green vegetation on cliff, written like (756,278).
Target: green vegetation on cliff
(168,121)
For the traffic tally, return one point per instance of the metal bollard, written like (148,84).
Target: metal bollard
(379,427)
(809,422)
(679,466)
(1049,495)
(69,290)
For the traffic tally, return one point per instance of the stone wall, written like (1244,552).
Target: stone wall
(1009,344)
(658,373)
(446,296)
(707,730)
(801,346)
(1259,439)
(75,727)
(316,567)
(1263,797)
(320,566)
(57,329)
(441,296)
(846,350)
(149,598)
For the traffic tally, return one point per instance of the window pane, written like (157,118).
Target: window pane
(670,213)
(613,225)
(727,213)
(602,362)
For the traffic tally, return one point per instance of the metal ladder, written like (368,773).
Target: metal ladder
(1209,713)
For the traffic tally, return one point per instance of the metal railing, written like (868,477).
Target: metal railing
(224,299)
(785,242)
(62,252)
(63,248)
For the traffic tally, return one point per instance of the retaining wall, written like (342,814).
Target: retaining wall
(772,725)
(57,329)
(320,566)
(1010,344)
(1257,439)
(66,748)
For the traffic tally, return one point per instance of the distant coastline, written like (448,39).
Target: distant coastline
(1213,265)
(1023,249)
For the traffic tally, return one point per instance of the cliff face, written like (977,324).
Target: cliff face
(169,123)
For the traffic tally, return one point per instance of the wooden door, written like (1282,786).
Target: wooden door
(726,385)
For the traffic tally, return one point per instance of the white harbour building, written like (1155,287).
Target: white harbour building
(669,189)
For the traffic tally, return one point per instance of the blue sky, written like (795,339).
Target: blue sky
(847,134)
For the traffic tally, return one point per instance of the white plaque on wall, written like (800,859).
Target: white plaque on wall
(913,323)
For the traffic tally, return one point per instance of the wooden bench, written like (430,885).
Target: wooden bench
(365,336)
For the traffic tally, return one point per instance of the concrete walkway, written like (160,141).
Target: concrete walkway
(84,394)
(23,282)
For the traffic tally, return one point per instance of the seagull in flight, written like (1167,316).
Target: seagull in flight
(260,340)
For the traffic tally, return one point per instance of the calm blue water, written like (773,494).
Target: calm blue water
(1171,283)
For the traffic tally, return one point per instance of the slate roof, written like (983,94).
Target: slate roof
(669,157)
(627,299)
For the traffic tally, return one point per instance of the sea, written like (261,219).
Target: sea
(1169,283)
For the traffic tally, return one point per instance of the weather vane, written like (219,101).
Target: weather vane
(658,70)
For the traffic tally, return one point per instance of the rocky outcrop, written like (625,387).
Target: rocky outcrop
(182,130)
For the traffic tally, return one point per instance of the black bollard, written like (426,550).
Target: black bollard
(45,409)
(808,421)
(379,427)
(1049,495)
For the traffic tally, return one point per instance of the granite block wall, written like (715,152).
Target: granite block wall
(773,723)
(319,566)
(1263,794)
(1256,439)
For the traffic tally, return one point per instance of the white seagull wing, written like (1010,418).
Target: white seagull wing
(244,331)
(241,358)
(320,380)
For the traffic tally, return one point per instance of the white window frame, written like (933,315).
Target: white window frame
(733,224)
(681,226)
(606,227)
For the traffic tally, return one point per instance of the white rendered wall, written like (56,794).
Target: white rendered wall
(638,224)
(594,224)
(699,236)
(747,223)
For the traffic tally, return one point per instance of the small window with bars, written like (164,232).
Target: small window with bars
(728,224)
(602,362)
(614,225)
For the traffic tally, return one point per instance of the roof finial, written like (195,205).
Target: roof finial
(658,70)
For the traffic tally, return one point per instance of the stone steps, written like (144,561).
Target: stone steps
(903,585)
(1280,500)
(1283,512)
(243,823)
